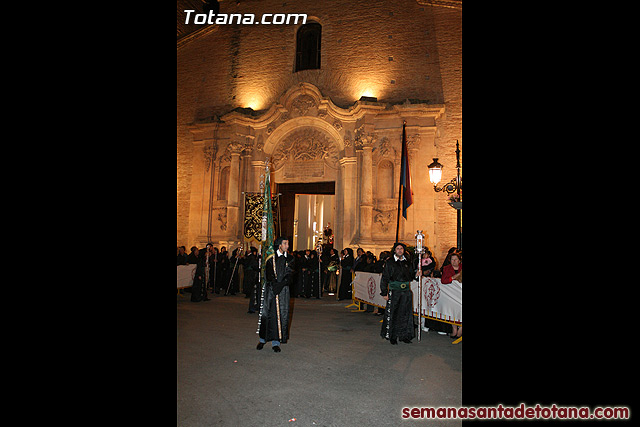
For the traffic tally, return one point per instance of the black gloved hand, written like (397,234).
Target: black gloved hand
(277,287)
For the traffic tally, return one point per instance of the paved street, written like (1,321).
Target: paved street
(335,370)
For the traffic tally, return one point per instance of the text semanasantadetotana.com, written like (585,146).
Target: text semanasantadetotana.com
(518,412)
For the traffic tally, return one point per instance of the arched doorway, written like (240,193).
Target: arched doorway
(305,156)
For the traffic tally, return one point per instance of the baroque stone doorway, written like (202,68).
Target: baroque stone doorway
(308,139)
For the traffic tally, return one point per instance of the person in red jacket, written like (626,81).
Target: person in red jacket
(450,273)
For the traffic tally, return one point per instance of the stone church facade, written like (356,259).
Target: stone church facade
(241,102)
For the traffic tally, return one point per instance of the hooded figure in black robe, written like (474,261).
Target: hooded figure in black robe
(332,263)
(199,289)
(344,288)
(274,317)
(307,265)
(395,285)
(233,280)
(251,269)
(314,269)
(222,273)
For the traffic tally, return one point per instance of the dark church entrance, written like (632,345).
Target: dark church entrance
(288,210)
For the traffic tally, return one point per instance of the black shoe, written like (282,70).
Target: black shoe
(260,345)
(251,311)
(277,349)
(393,341)
(407,340)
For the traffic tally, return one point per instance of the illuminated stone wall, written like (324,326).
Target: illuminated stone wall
(390,50)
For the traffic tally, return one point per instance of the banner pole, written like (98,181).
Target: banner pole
(319,253)
(419,249)
(398,219)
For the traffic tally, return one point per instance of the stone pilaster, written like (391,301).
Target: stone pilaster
(233,191)
(366,195)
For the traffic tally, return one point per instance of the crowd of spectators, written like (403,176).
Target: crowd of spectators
(317,276)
